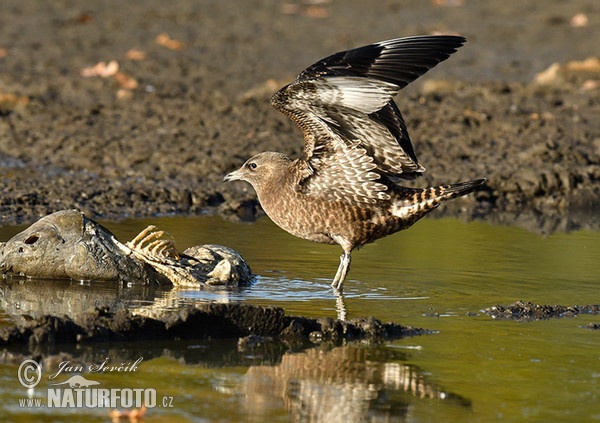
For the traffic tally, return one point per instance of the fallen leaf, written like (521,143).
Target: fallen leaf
(134,54)
(311,9)
(557,73)
(3,52)
(123,94)
(264,90)
(168,42)
(449,3)
(85,18)
(134,415)
(125,81)
(475,116)
(316,12)
(590,85)
(548,75)
(591,64)
(579,20)
(101,69)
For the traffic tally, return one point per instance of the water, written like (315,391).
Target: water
(437,275)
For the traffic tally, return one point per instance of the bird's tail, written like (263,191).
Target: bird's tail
(416,202)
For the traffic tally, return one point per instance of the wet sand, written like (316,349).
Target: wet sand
(190,102)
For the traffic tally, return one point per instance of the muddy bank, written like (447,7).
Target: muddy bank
(251,324)
(189,103)
(49,316)
(525,311)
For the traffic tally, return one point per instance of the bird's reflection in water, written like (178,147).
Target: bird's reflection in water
(343,384)
(340,305)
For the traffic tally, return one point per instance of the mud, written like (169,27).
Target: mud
(190,103)
(253,325)
(525,311)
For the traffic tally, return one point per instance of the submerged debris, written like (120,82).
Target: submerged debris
(527,311)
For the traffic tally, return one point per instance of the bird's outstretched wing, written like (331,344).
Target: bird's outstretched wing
(353,131)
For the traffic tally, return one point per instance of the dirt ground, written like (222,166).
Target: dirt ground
(190,102)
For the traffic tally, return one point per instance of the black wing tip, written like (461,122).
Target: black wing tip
(446,43)
(450,38)
(436,47)
(398,60)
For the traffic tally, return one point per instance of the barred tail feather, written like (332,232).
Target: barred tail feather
(415,203)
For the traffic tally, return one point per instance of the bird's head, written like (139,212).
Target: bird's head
(261,170)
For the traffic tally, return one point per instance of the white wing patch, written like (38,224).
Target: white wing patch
(356,93)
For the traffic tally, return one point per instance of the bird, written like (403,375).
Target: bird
(345,188)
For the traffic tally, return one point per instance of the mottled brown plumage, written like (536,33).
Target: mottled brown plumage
(344,189)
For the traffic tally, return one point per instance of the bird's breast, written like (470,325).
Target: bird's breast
(323,221)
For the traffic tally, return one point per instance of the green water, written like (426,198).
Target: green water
(437,275)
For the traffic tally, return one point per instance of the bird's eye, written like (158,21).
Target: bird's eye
(252,165)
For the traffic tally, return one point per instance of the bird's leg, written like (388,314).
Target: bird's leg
(340,275)
(340,307)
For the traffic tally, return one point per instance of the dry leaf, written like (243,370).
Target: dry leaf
(549,75)
(134,54)
(316,12)
(168,42)
(84,18)
(579,20)
(311,9)
(101,69)
(556,73)
(3,52)
(264,90)
(449,3)
(590,85)
(591,64)
(133,415)
(125,81)
(475,116)
(543,116)
(123,94)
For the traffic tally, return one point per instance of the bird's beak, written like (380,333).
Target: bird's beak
(236,175)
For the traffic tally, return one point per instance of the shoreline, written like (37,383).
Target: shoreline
(190,102)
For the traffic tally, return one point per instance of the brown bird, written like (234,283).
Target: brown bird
(345,188)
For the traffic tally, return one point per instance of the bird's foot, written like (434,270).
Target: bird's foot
(342,271)
(338,286)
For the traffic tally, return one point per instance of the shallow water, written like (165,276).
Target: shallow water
(437,275)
